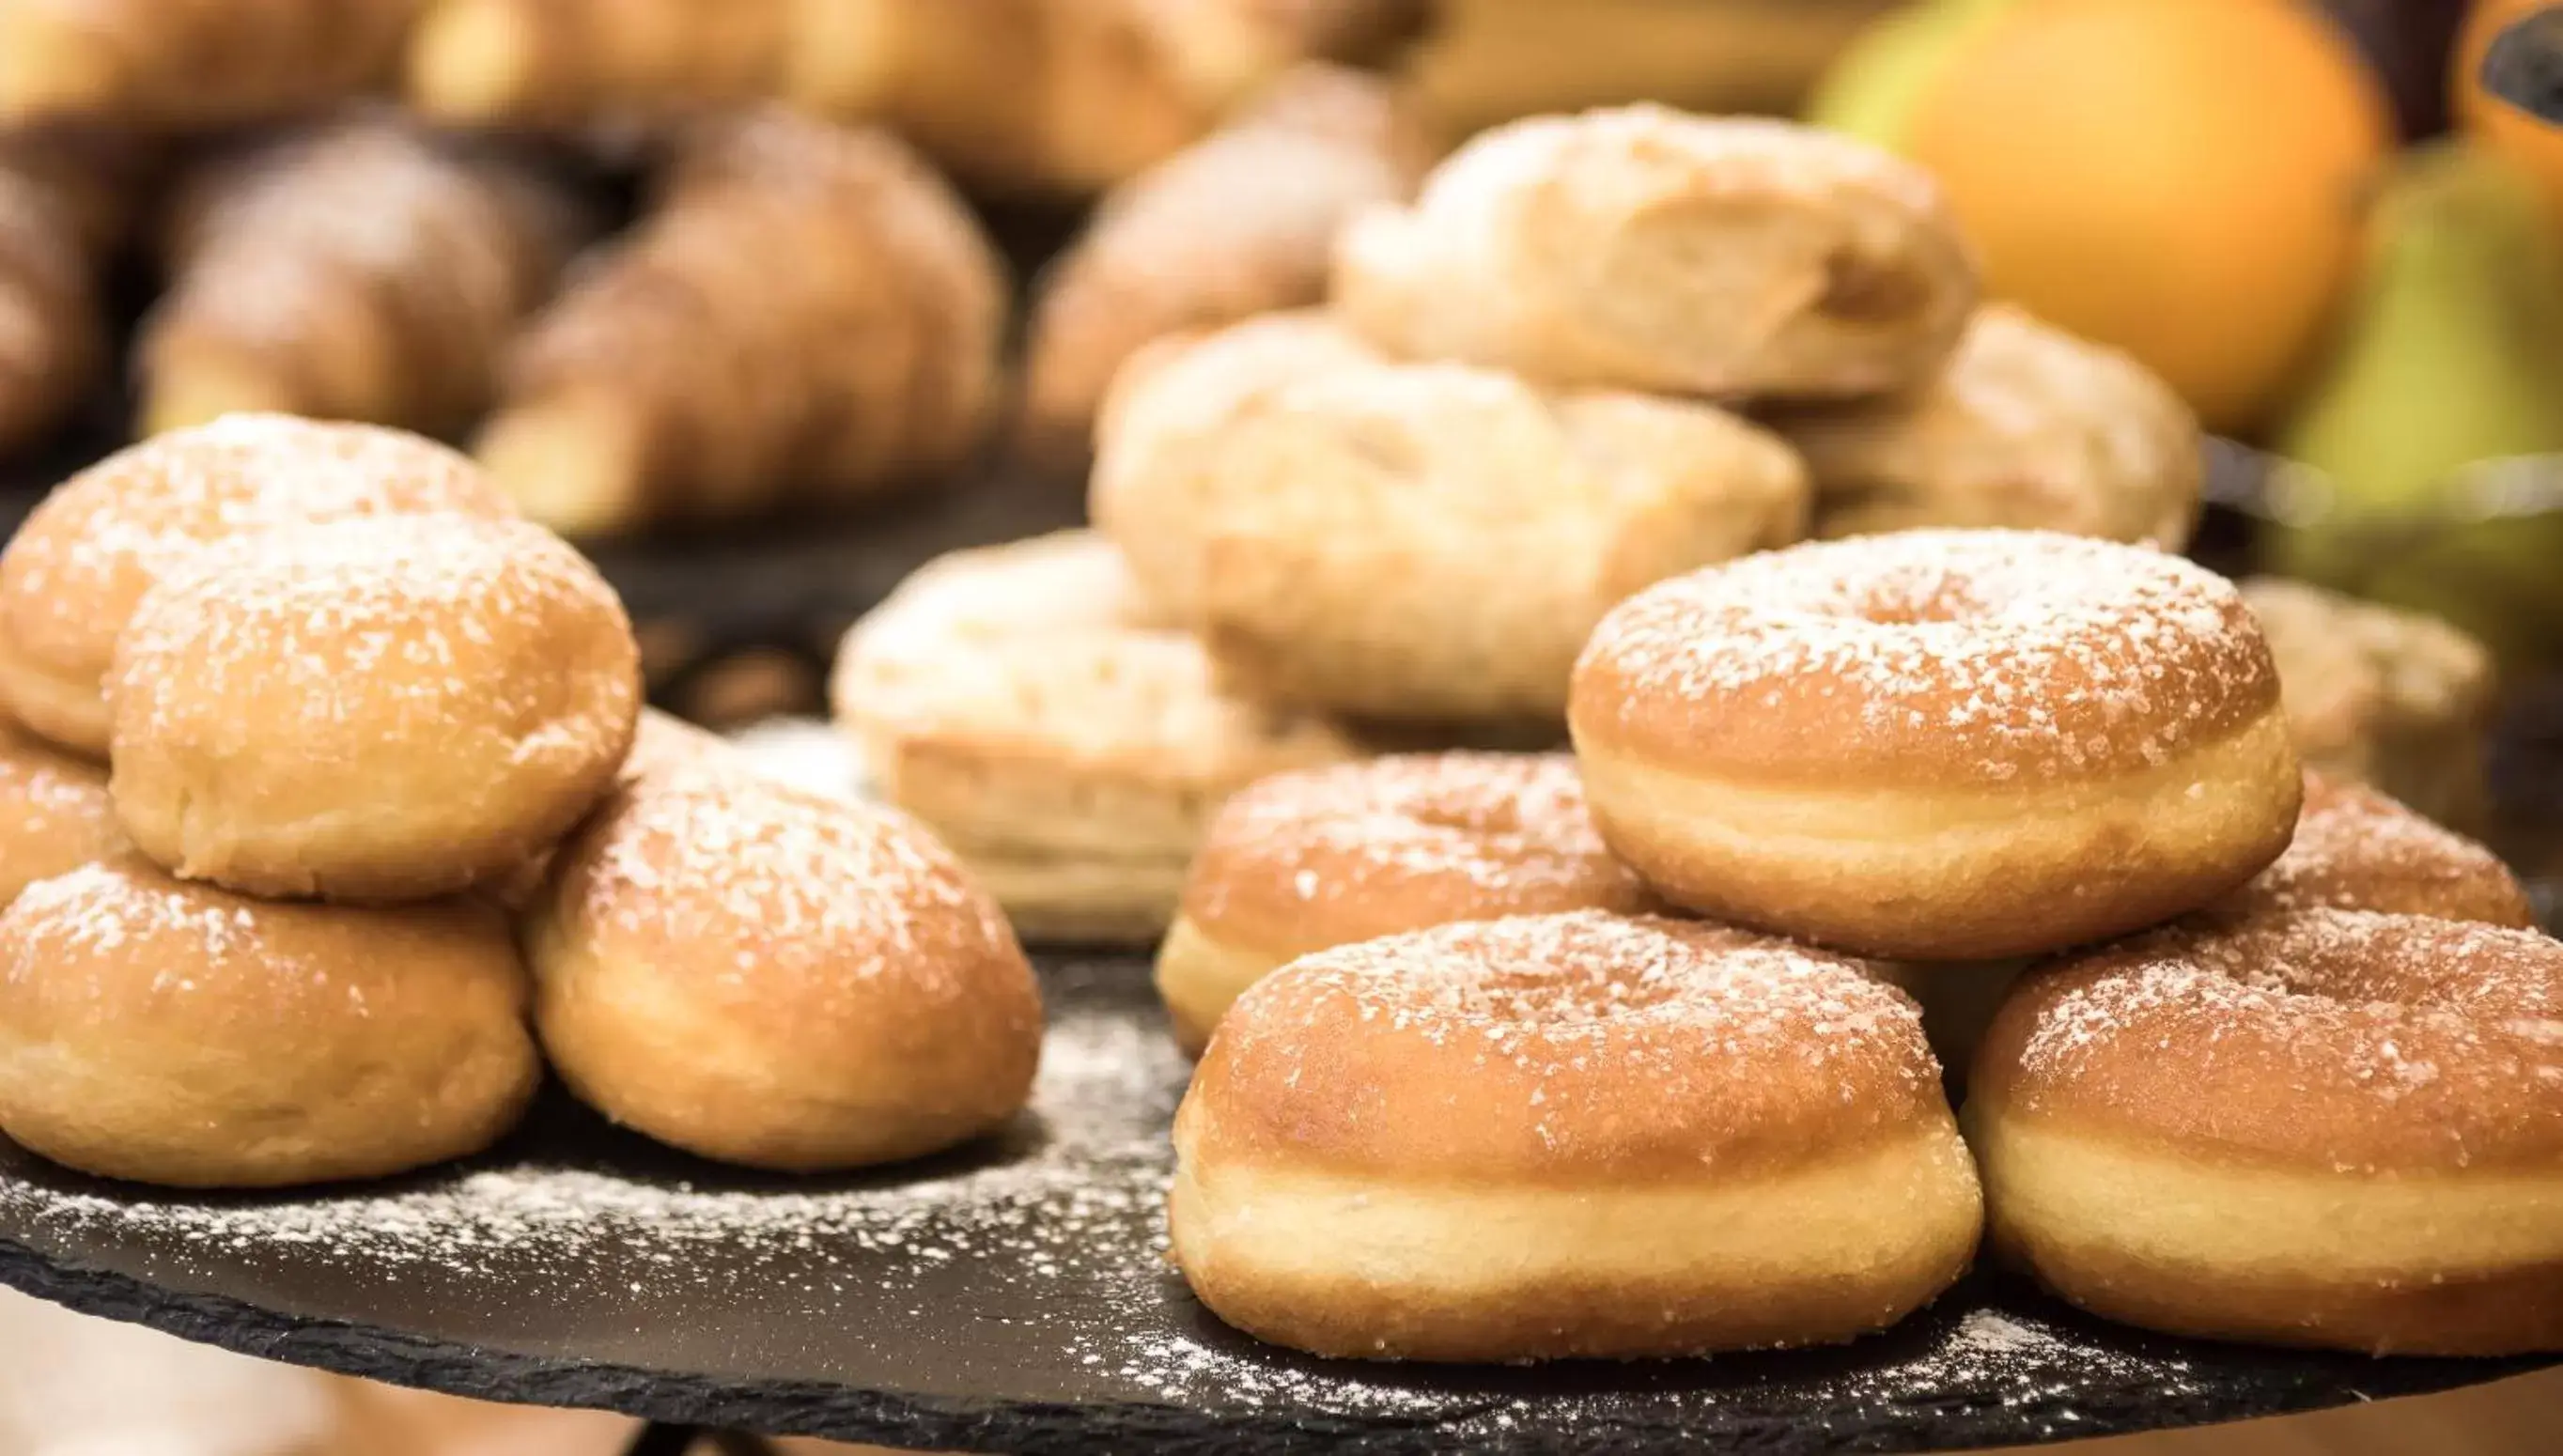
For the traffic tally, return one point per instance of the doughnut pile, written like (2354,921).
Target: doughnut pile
(1596,352)
(353,713)
(2270,1055)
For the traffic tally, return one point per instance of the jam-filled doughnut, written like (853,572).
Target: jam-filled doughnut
(375,709)
(1303,861)
(2324,1128)
(179,1033)
(776,978)
(1938,744)
(72,574)
(1568,1135)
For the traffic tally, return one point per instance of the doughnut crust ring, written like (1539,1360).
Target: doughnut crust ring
(1568,1135)
(1300,862)
(2327,1128)
(1939,745)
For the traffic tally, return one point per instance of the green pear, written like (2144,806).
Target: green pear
(2423,431)
(1872,87)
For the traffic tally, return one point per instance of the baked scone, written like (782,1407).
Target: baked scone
(1307,861)
(1027,703)
(55,812)
(1420,541)
(179,1033)
(71,577)
(380,709)
(2388,697)
(1639,248)
(2026,426)
(779,978)
(1236,224)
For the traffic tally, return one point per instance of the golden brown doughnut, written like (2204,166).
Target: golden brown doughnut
(1568,1135)
(1300,862)
(2357,850)
(779,978)
(177,1033)
(1938,744)
(2324,1128)
(55,814)
(72,574)
(370,709)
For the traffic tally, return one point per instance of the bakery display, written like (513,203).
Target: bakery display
(684,378)
(2025,426)
(1030,704)
(779,978)
(1425,541)
(55,812)
(2382,695)
(360,270)
(2323,1128)
(1239,224)
(1938,744)
(473,682)
(1429,1146)
(180,1035)
(1638,248)
(72,574)
(190,64)
(1304,862)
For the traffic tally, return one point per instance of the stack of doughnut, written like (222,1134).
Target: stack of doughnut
(1396,518)
(305,713)
(1517,1057)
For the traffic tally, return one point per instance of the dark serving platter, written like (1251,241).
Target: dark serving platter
(1015,1298)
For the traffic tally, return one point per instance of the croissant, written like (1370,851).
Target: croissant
(809,316)
(361,272)
(1236,224)
(1045,94)
(52,341)
(190,63)
(1644,249)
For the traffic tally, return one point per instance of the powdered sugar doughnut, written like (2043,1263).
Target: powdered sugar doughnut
(72,576)
(370,709)
(776,978)
(2357,850)
(1568,1135)
(55,814)
(177,1034)
(2324,1128)
(1938,744)
(1303,861)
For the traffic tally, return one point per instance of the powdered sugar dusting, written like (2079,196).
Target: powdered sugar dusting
(1993,654)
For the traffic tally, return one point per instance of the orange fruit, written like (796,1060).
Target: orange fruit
(2535,146)
(2180,178)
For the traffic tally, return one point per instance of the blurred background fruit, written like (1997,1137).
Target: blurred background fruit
(2183,179)
(2444,387)
(1872,88)
(2535,146)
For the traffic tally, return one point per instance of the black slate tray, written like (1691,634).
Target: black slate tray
(1014,1299)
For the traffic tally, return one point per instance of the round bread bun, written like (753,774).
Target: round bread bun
(780,978)
(1566,1136)
(2326,1127)
(2357,850)
(1938,744)
(55,814)
(1030,706)
(179,1033)
(1304,862)
(73,575)
(371,709)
